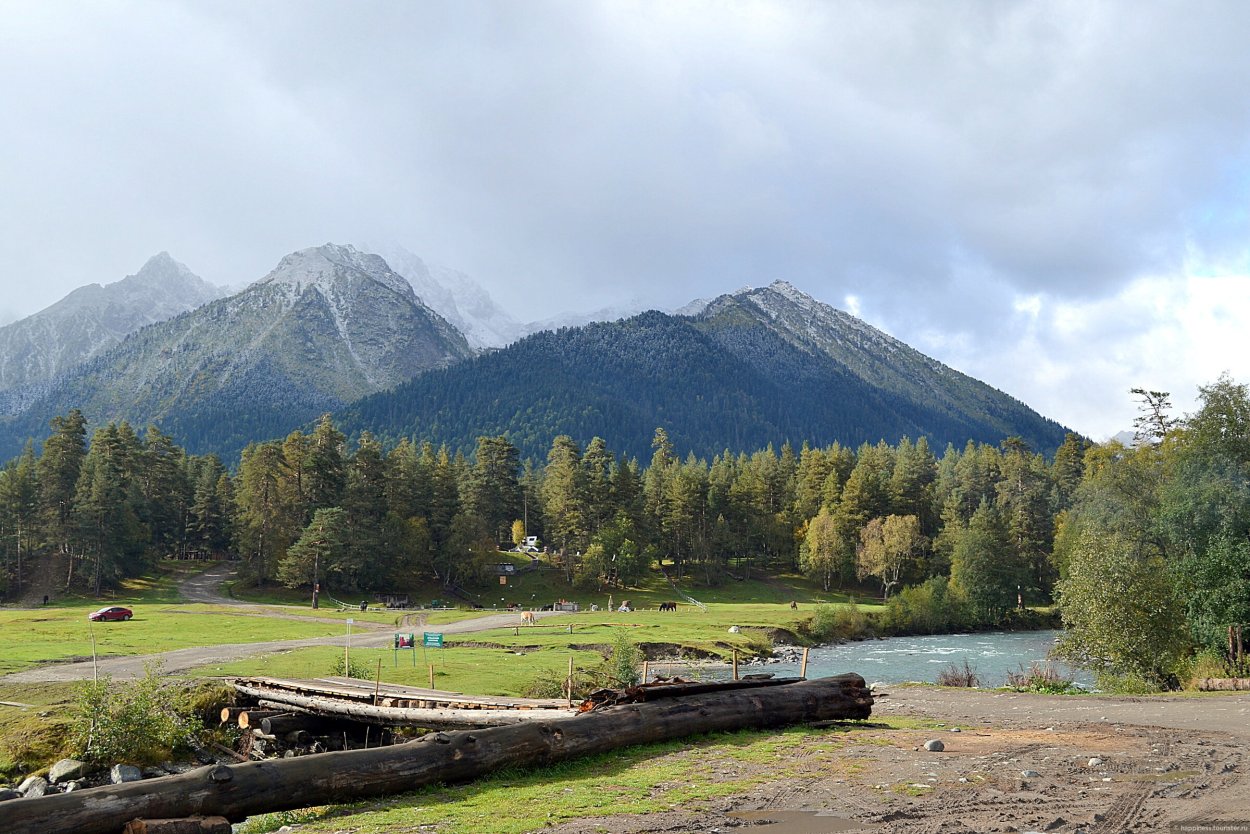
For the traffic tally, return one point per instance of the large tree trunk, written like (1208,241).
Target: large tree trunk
(238,791)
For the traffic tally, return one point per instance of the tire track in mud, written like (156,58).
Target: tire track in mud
(1124,811)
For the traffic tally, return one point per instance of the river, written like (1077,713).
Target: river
(897,659)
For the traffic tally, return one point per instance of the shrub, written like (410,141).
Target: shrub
(1210,664)
(935,607)
(548,683)
(831,623)
(353,669)
(624,660)
(140,722)
(1126,684)
(1039,677)
(956,675)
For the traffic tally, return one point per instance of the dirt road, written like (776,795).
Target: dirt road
(1011,762)
(206,588)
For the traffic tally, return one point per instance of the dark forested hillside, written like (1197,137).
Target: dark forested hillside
(713,382)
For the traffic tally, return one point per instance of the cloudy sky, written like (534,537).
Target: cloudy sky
(1050,196)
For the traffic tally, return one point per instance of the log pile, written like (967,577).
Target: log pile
(238,791)
(675,688)
(1224,685)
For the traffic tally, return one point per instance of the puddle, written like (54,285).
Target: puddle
(799,822)
(1166,776)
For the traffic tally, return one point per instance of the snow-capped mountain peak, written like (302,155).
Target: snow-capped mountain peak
(324,266)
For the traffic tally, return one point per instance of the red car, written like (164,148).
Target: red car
(113,612)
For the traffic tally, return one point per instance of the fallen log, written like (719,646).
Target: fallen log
(251,718)
(230,715)
(192,825)
(676,689)
(238,791)
(279,725)
(1224,684)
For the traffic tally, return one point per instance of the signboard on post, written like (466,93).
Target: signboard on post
(405,641)
(430,640)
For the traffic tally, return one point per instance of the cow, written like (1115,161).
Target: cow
(668,606)
(527,618)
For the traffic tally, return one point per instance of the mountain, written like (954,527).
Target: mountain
(456,297)
(467,305)
(91,319)
(328,325)
(755,367)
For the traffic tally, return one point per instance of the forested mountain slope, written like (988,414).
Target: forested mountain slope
(735,376)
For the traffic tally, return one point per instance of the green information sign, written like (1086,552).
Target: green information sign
(432,640)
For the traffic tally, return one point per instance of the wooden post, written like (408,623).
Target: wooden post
(570,680)
(377,684)
(431,676)
(646,670)
(735,664)
(803,667)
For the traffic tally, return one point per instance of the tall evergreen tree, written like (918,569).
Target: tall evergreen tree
(59,468)
(494,490)
(325,468)
(266,522)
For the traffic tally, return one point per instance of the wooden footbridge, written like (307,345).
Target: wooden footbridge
(389,704)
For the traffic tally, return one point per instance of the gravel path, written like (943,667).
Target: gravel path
(206,588)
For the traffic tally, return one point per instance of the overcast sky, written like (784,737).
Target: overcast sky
(1050,196)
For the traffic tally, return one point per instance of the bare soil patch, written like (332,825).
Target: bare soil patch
(1012,762)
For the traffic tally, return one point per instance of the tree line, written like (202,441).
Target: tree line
(308,509)
(1146,548)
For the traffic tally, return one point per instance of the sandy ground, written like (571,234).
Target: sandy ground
(1016,763)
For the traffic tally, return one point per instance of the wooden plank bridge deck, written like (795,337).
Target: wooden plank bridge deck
(322,693)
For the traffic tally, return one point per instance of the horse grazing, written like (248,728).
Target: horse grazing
(668,606)
(527,618)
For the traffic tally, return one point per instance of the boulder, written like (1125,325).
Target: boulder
(8,793)
(124,773)
(67,769)
(934,745)
(33,786)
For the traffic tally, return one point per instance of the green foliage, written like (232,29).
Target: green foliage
(934,607)
(1122,613)
(625,659)
(1216,587)
(1041,677)
(984,568)
(138,722)
(352,669)
(834,623)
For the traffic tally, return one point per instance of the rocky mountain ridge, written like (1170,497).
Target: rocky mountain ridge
(327,326)
(35,350)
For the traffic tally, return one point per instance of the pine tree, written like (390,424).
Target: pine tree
(564,500)
(266,522)
(325,469)
(59,468)
(494,492)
